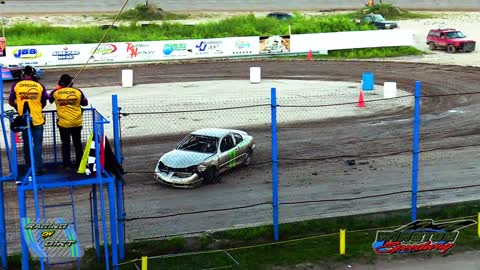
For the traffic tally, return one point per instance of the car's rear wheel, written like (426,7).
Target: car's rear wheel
(451,49)
(432,46)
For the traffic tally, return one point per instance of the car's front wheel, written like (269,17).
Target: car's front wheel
(432,46)
(451,49)
(211,175)
(248,157)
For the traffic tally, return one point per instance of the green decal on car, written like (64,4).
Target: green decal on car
(233,158)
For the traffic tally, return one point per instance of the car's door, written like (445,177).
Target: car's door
(442,40)
(368,19)
(241,151)
(431,36)
(227,152)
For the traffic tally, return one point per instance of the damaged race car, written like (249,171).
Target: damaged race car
(14,72)
(203,155)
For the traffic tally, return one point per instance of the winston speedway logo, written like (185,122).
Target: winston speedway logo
(420,236)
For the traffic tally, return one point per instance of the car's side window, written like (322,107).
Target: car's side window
(368,19)
(238,138)
(227,143)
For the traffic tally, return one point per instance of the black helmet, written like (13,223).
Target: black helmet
(65,80)
(29,71)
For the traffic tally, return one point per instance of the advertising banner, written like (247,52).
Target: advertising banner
(275,44)
(223,47)
(125,52)
(31,55)
(139,51)
(3,45)
(242,46)
(105,53)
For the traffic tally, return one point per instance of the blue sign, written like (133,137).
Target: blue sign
(168,49)
(202,46)
(27,53)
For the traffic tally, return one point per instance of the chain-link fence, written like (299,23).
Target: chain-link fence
(332,147)
(448,142)
(337,156)
(200,142)
(332,151)
(62,197)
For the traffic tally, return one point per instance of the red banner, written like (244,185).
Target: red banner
(3,45)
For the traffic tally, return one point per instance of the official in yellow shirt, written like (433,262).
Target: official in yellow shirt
(32,94)
(69,101)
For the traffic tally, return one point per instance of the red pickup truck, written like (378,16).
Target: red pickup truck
(450,39)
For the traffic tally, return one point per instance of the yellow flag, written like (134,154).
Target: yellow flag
(86,153)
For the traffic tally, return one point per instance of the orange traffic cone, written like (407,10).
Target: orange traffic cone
(310,54)
(17,139)
(361,102)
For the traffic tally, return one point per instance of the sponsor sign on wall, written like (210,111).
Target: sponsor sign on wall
(3,45)
(125,52)
(244,46)
(104,53)
(175,49)
(209,47)
(140,51)
(275,44)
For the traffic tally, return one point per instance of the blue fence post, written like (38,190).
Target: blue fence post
(416,144)
(55,158)
(22,208)
(273,96)
(3,232)
(119,184)
(95,222)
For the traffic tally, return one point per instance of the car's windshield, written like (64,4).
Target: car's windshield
(378,18)
(456,34)
(199,143)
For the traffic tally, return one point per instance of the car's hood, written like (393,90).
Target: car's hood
(183,159)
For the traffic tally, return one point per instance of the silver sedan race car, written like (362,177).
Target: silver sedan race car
(203,156)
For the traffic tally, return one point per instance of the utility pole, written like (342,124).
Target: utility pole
(146,3)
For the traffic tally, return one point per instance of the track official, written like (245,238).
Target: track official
(69,101)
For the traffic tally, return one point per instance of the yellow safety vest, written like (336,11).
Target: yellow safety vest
(30,92)
(69,110)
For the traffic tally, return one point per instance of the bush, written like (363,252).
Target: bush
(247,25)
(149,13)
(390,12)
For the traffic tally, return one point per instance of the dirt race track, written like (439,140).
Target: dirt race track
(381,145)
